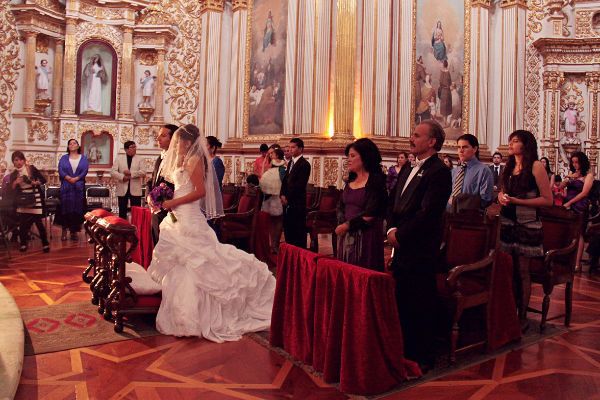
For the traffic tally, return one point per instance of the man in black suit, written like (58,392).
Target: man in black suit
(293,195)
(164,139)
(417,205)
(497,169)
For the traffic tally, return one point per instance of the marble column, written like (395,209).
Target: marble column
(514,18)
(159,87)
(237,69)
(210,56)
(68,89)
(29,101)
(344,112)
(57,78)
(592,80)
(126,74)
(478,101)
(552,82)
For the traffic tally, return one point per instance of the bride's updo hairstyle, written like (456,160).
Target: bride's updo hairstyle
(189,132)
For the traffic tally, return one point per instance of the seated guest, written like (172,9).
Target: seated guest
(362,208)
(25,181)
(472,181)
(578,185)
(270,184)
(394,170)
(415,212)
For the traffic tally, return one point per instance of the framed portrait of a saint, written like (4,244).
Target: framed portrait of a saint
(96,80)
(98,148)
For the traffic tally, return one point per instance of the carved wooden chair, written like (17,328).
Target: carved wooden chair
(561,229)
(468,247)
(323,220)
(239,226)
(313,195)
(231,197)
(98,265)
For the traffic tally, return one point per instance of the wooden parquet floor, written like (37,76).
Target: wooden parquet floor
(163,367)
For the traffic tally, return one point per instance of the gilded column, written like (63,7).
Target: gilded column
(344,112)
(237,68)
(552,82)
(126,76)
(477,124)
(68,89)
(210,55)
(159,89)
(514,18)
(30,42)
(593,84)
(58,75)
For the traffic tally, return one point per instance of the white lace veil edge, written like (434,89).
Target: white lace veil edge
(212,202)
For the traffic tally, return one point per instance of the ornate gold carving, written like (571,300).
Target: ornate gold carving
(331,169)
(68,130)
(88,30)
(147,57)
(183,62)
(113,13)
(211,5)
(239,5)
(148,40)
(511,3)
(248,166)
(41,160)
(592,80)
(97,127)
(552,79)
(153,16)
(481,3)
(87,9)
(316,170)
(126,134)
(37,130)
(532,89)
(227,161)
(148,163)
(569,51)
(53,5)
(41,45)
(143,134)
(535,15)
(239,175)
(570,92)
(9,70)
(583,24)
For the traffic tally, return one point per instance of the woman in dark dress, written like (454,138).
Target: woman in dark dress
(578,184)
(362,207)
(394,170)
(525,187)
(72,170)
(546,163)
(213,145)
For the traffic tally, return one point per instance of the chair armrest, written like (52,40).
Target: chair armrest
(565,251)
(457,271)
(237,217)
(319,215)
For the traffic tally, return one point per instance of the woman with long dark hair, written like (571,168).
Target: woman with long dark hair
(578,184)
(546,163)
(525,188)
(72,170)
(362,207)
(394,170)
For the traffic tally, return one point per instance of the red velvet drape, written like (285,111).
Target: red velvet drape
(262,250)
(141,218)
(503,320)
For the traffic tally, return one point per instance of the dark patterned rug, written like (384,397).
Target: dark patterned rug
(69,326)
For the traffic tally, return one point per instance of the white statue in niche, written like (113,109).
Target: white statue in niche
(571,116)
(147,83)
(42,80)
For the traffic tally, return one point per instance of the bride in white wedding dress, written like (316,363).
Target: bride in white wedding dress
(209,289)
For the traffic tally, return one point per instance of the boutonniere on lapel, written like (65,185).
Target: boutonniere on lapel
(420,173)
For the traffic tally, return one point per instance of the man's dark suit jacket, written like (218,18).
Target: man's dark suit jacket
(418,213)
(152,183)
(293,186)
(497,178)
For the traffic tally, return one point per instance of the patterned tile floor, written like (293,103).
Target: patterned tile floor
(161,367)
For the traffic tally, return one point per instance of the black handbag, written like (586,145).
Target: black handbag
(25,200)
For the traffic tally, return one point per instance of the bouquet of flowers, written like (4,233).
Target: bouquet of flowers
(158,195)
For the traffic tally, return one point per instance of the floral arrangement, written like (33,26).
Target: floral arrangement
(159,194)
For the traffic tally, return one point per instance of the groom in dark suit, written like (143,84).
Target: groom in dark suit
(415,231)
(164,140)
(293,195)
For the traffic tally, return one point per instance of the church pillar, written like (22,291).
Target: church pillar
(592,80)
(237,70)
(58,76)
(478,100)
(346,114)
(211,13)
(514,18)
(159,89)
(68,89)
(552,82)
(30,42)
(126,74)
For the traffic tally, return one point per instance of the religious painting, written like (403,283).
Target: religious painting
(267,67)
(96,80)
(439,72)
(98,148)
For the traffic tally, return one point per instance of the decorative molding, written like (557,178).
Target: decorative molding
(144,134)
(331,171)
(41,45)
(211,5)
(126,133)
(239,5)
(68,130)
(53,5)
(43,161)
(111,34)
(552,80)
(10,65)
(148,57)
(583,24)
(513,3)
(316,170)
(569,51)
(228,162)
(37,130)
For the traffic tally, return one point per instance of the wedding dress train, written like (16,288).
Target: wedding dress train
(209,289)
